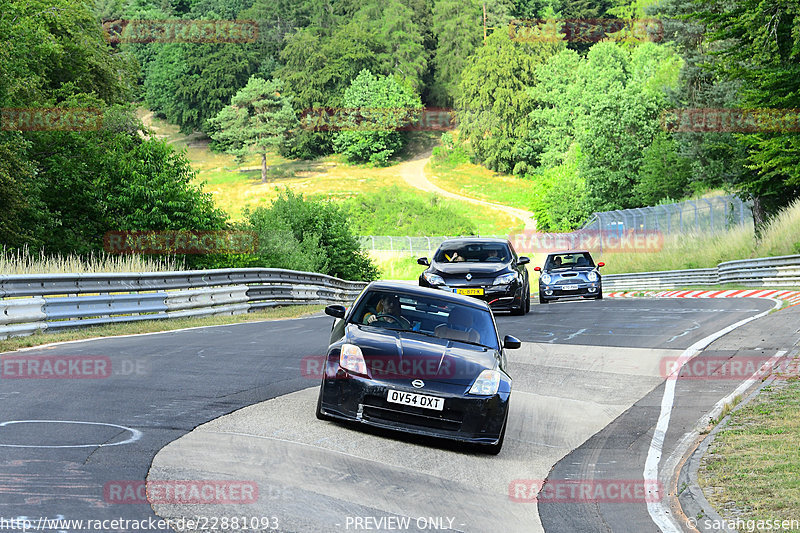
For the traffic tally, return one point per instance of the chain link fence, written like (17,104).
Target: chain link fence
(705,214)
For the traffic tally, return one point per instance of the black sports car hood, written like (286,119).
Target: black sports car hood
(406,355)
(477,269)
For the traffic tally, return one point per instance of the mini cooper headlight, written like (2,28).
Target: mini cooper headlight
(592,276)
(505,279)
(486,384)
(433,279)
(546,279)
(351,359)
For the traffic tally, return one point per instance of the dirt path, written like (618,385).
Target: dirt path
(413,172)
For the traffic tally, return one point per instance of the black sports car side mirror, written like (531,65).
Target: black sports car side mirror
(423,261)
(512,343)
(523,260)
(336,311)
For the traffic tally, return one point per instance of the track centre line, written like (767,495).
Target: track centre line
(657,510)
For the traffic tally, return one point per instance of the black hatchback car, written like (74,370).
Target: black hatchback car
(487,269)
(420,361)
(569,274)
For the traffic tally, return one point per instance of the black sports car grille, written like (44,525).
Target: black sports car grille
(378,409)
(401,417)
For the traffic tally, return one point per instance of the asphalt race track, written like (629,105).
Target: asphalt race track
(588,384)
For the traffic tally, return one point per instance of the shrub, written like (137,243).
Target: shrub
(308,235)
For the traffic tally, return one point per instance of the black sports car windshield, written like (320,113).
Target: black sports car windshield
(473,253)
(427,315)
(556,261)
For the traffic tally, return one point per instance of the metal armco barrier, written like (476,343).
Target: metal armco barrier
(39,302)
(783,271)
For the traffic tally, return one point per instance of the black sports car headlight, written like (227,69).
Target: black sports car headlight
(487,384)
(352,360)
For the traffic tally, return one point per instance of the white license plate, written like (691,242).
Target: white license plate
(569,288)
(415,400)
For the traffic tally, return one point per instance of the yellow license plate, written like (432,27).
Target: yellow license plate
(470,292)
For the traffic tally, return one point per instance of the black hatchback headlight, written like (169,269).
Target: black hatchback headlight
(505,279)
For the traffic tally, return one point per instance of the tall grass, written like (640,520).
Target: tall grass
(23,261)
(781,236)
(687,250)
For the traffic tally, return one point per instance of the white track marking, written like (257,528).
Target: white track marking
(659,512)
(135,434)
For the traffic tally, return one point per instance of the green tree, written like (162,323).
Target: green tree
(94,182)
(622,120)
(309,235)
(457,27)
(376,107)
(259,119)
(401,41)
(759,43)
(190,83)
(663,173)
(494,108)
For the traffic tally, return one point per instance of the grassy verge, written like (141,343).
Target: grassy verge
(236,186)
(476,181)
(151,326)
(751,470)
(398,265)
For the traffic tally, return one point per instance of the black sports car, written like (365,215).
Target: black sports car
(569,274)
(487,269)
(420,361)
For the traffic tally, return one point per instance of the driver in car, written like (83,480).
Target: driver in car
(388,310)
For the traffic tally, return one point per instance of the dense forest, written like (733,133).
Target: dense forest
(582,119)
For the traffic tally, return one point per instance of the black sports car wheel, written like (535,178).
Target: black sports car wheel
(528,301)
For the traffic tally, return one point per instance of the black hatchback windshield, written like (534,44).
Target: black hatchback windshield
(473,253)
(427,315)
(572,260)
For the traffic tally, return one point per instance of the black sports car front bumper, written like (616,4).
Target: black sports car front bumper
(465,418)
